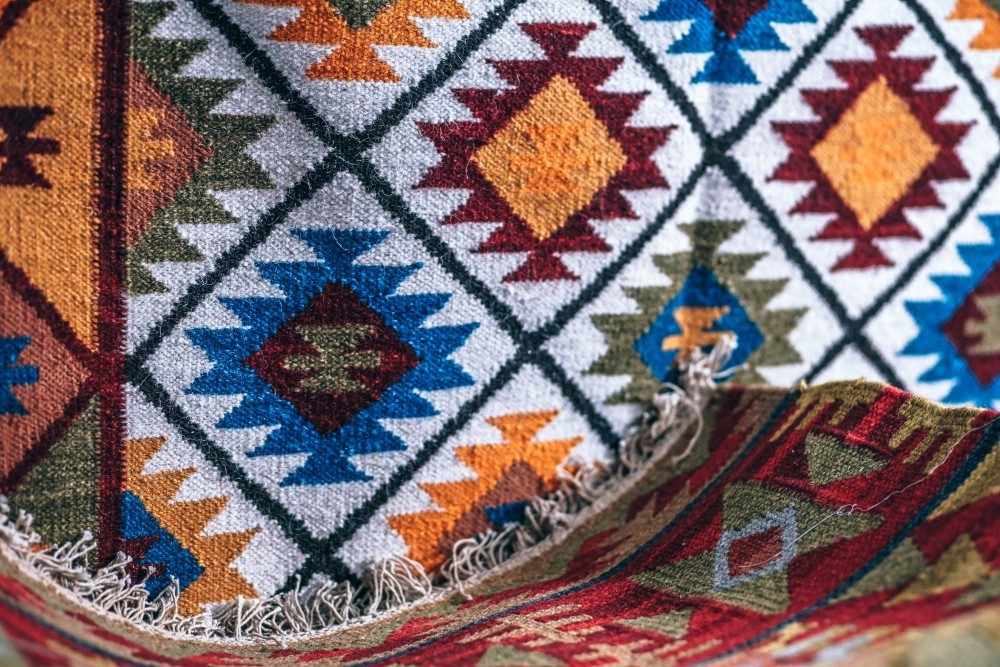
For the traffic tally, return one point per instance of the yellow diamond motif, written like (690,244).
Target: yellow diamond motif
(875,152)
(551,158)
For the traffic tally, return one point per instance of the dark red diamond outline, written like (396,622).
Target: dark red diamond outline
(336,304)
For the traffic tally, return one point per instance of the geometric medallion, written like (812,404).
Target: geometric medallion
(709,296)
(166,534)
(763,546)
(875,150)
(551,158)
(188,148)
(333,359)
(325,364)
(157,557)
(547,156)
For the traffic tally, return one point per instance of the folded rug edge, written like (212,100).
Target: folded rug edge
(389,586)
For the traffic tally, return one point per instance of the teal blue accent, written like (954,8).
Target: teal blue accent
(726,65)
(11,375)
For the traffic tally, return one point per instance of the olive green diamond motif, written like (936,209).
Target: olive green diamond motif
(761,583)
(359,13)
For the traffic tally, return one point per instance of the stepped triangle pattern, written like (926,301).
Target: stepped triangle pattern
(357,30)
(517,469)
(169,535)
(230,167)
(282,359)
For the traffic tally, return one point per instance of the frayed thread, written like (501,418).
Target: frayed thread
(396,582)
(660,432)
(110,588)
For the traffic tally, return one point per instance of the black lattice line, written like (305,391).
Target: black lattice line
(221,460)
(744,185)
(717,148)
(347,152)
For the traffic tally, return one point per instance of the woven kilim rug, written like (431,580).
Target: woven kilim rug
(319,317)
(802,526)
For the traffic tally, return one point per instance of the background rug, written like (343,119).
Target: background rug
(837,522)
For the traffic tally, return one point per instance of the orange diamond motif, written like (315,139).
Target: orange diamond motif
(551,158)
(875,153)
(875,149)
(546,156)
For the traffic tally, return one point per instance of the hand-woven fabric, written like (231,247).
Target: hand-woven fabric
(782,539)
(290,287)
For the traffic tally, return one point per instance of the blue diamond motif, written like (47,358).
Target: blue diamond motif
(701,289)
(329,454)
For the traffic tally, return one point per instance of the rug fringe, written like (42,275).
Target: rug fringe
(395,582)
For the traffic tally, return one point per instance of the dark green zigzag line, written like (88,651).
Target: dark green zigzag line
(228,135)
(622,330)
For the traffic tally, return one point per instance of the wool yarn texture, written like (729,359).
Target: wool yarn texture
(318,314)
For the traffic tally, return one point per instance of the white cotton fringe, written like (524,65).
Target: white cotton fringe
(395,582)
